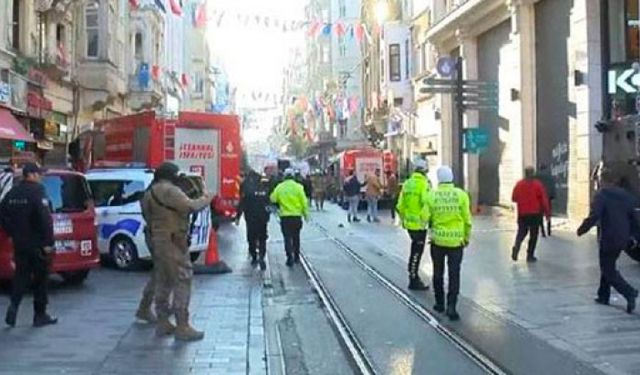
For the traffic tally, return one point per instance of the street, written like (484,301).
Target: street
(516,317)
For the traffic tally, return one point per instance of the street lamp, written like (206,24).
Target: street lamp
(381,11)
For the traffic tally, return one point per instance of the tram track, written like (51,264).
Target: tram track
(361,361)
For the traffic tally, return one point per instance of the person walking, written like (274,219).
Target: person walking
(392,190)
(254,204)
(449,214)
(373,193)
(26,217)
(547,180)
(319,183)
(168,222)
(351,189)
(293,207)
(307,184)
(532,202)
(411,208)
(613,211)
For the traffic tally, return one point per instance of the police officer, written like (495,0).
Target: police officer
(25,215)
(168,209)
(292,201)
(613,210)
(449,215)
(254,204)
(410,207)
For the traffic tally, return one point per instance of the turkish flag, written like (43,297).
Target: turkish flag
(155,72)
(200,16)
(185,80)
(134,4)
(175,7)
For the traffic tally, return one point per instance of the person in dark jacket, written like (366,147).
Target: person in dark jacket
(614,212)
(547,180)
(254,204)
(351,190)
(532,202)
(25,216)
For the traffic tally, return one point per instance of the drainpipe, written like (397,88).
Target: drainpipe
(605,56)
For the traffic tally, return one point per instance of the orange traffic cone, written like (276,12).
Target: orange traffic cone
(212,262)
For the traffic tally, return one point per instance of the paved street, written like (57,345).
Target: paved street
(97,333)
(527,318)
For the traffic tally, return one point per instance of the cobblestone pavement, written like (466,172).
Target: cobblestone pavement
(97,333)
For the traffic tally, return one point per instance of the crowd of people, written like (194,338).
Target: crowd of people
(441,213)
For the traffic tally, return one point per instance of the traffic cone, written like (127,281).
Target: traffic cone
(212,262)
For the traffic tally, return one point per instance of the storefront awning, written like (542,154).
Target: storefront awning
(10,128)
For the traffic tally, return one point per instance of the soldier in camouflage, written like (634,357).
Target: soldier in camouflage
(167,209)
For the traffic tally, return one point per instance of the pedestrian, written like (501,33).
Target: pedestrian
(613,211)
(26,217)
(392,190)
(293,206)
(168,223)
(254,204)
(532,202)
(308,188)
(547,180)
(351,190)
(6,181)
(373,193)
(247,187)
(411,205)
(319,189)
(449,214)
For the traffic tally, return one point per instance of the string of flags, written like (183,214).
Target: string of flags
(314,28)
(197,11)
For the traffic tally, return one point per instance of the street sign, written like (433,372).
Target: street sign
(437,90)
(438,81)
(446,66)
(475,140)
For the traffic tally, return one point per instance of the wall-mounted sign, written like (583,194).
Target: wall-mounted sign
(626,81)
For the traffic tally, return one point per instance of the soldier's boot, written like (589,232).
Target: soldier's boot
(164,327)
(144,312)
(184,331)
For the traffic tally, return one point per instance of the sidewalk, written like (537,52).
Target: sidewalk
(97,333)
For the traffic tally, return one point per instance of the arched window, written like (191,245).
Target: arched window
(92,28)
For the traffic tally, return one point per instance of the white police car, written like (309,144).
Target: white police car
(117,193)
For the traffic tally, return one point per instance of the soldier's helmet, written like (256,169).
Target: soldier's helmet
(166,171)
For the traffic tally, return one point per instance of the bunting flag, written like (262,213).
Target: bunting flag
(327,29)
(200,16)
(313,29)
(160,5)
(359,32)
(134,4)
(338,28)
(185,80)
(175,7)
(143,75)
(156,71)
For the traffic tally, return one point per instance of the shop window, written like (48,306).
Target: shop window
(624,30)
(394,63)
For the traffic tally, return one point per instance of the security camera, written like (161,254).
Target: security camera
(602,126)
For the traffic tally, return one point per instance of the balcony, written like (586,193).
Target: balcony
(144,94)
(56,64)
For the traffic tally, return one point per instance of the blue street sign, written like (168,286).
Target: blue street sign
(475,140)
(446,66)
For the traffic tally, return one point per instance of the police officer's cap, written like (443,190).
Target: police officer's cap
(166,171)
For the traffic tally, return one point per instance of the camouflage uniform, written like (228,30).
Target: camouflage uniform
(168,221)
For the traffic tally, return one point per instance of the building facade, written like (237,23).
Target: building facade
(546,58)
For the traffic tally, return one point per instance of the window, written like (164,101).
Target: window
(326,54)
(343,9)
(91,24)
(407,63)
(15,25)
(394,63)
(116,193)
(67,192)
(137,49)
(624,30)
(342,46)
(424,65)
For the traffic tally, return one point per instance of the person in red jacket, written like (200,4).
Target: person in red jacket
(532,202)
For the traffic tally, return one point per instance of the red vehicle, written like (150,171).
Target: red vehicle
(204,143)
(364,161)
(76,250)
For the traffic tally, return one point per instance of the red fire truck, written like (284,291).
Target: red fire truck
(204,143)
(364,161)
